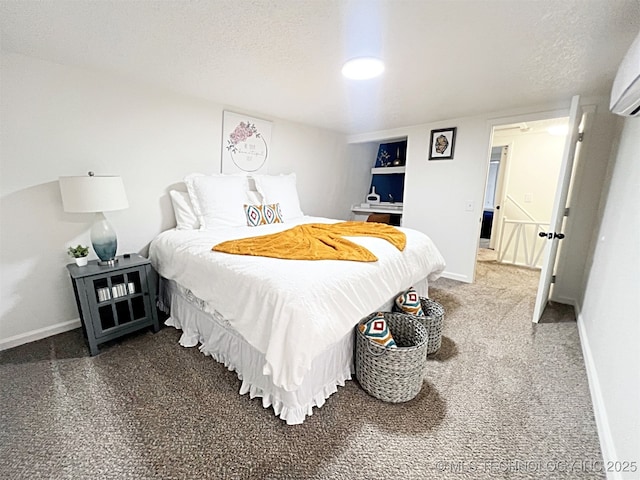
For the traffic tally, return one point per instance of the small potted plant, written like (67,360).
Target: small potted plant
(79,253)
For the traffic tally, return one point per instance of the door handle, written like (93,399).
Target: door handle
(551,235)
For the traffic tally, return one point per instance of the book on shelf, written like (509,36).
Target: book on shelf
(103,294)
(119,290)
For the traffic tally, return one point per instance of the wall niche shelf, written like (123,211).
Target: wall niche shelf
(387,170)
(388,156)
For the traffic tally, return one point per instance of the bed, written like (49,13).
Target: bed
(284,326)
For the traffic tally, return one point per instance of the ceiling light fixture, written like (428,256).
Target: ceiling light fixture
(363,68)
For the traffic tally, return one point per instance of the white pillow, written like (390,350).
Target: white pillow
(254,198)
(280,189)
(186,218)
(218,200)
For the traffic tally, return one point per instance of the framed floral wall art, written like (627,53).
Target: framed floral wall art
(246,142)
(442,144)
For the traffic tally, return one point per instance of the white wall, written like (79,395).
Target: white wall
(610,306)
(437,192)
(532,174)
(588,181)
(58,120)
(362,158)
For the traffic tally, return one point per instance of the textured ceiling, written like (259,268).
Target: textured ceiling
(282,58)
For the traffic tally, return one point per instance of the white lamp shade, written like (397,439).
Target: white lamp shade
(93,194)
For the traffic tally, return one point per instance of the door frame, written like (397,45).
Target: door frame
(492,123)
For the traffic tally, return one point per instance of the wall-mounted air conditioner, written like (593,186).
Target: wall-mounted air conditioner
(625,94)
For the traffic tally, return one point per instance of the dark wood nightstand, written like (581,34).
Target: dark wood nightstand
(115,301)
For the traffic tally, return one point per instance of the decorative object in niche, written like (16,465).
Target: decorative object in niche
(383,158)
(245,143)
(388,172)
(373,197)
(392,154)
(398,162)
(442,144)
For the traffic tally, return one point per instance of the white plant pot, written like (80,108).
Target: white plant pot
(81,261)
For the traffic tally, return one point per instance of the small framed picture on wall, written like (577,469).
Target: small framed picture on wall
(442,144)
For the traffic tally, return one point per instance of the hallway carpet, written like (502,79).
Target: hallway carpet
(503,398)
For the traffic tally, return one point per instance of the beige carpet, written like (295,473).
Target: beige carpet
(504,399)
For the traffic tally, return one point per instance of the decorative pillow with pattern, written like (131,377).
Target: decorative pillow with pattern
(409,302)
(377,331)
(263,214)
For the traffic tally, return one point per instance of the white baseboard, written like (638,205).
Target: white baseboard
(38,334)
(602,420)
(455,276)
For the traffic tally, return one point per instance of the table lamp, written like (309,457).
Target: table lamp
(96,194)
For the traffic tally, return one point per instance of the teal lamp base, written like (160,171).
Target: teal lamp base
(104,241)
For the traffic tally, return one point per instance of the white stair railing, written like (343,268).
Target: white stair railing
(523,233)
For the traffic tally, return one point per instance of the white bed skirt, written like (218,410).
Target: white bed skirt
(219,340)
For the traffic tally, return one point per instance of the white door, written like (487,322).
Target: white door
(554,235)
(499,199)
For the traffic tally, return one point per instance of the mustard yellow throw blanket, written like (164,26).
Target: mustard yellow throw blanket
(316,241)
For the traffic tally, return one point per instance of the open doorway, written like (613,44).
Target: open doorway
(523,170)
(538,173)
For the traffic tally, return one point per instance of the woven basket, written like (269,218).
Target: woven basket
(433,319)
(393,374)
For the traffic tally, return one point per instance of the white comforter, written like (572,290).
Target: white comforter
(291,310)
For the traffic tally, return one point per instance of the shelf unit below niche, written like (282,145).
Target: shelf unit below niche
(387,170)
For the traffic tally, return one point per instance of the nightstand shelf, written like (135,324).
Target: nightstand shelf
(114,301)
